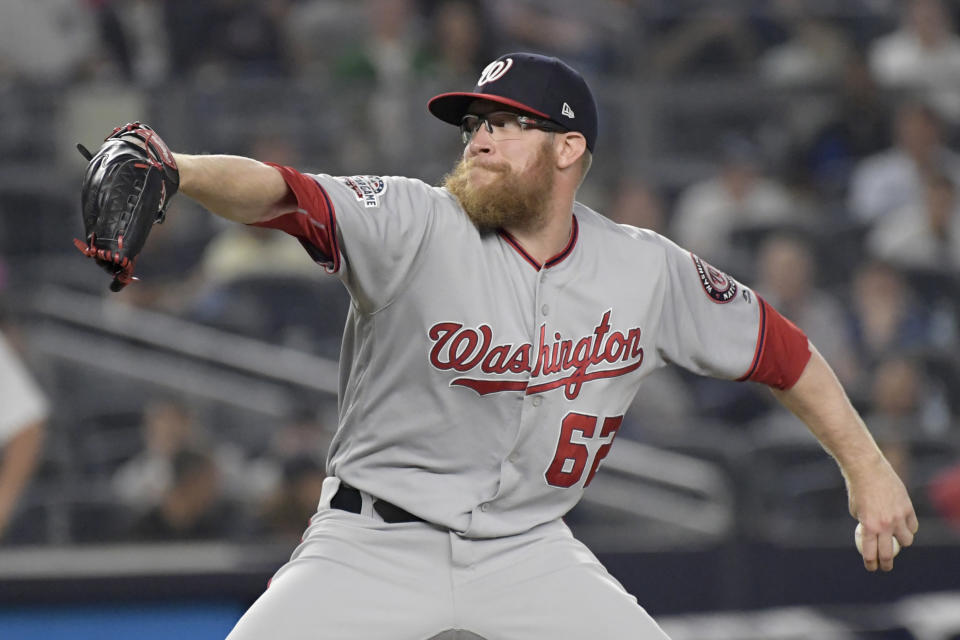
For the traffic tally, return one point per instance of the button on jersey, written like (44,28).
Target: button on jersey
(480,390)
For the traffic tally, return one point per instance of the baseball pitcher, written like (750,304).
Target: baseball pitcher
(498,332)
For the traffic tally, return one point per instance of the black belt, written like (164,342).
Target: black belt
(349,499)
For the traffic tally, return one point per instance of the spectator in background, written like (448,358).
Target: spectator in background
(588,35)
(304,434)
(894,411)
(856,126)
(299,448)
(904,406)
(386,59)
(252,251)
(893,178)
(226,38)
(132,37)
(192,507)
(285,513)
(709,39)
(116,46)
(923,54)
(866,20)
(168,428)
(388,51)
(924,233)
(317,33)
(462,38)
(247,38)
(639,204)
(786,277)
(708,213)
(47,41)
(261,284)
(188,26)
(815,52)
(23,414)
(883,316)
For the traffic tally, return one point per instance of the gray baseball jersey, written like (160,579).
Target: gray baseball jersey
(481,390)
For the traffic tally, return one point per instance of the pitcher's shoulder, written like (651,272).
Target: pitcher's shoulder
(609,231)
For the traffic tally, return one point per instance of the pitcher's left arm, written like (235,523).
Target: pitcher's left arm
(877,496)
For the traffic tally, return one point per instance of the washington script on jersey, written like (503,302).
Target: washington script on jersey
(466,349)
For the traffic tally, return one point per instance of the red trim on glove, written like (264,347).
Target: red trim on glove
(782,350)
(120,268)
(314,223)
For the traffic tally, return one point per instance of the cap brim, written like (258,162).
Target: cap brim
(451,107)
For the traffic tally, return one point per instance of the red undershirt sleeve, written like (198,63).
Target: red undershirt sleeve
(782,350)
(314,223)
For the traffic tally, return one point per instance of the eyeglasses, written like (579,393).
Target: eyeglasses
(503,125)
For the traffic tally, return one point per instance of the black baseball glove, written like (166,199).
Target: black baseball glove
(126,189)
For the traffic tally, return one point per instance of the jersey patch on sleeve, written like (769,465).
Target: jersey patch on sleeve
(368,189)
(720,287)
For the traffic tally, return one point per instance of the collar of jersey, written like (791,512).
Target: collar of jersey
(555,260)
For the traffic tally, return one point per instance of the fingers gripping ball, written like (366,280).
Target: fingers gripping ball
(126,189)
(858,540)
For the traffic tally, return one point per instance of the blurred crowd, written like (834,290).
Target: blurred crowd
(809,148)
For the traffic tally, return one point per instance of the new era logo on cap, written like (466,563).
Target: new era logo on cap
(540,85)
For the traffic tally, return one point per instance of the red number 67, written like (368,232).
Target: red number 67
(573,452)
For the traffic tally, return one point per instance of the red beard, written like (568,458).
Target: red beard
(510,200)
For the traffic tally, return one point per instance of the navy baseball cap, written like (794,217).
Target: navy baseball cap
(540,85)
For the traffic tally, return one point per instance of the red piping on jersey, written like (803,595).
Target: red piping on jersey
(782,350)
(334,241)
(516,245)
(761,336)
(555,260)
(314,223)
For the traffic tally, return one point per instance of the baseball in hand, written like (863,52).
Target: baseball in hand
(858,539)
